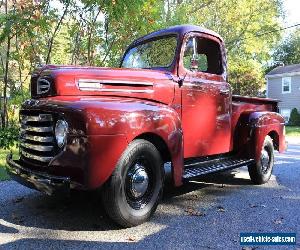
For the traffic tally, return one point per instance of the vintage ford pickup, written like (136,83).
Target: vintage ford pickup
(167,112)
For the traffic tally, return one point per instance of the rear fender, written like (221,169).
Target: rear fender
(256,126)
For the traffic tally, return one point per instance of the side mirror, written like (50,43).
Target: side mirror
(194,64)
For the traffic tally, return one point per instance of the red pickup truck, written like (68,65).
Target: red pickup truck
(167,112)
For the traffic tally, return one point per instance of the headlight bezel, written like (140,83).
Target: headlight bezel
(60,132)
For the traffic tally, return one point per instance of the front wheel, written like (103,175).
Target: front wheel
(133,191)
(261,171)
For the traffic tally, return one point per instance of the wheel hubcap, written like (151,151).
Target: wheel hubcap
(265,159)
(139,181)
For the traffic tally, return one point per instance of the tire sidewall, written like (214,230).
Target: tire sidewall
(256,172)
(269,147)
(135,150)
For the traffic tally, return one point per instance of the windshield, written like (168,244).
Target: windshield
(154,54)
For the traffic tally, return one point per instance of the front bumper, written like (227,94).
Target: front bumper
(48,184)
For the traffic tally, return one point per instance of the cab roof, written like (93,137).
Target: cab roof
(180,30)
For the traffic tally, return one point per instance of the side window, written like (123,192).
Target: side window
(286,85)
(203,55)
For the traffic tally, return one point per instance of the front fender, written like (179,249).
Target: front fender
(133,119)
(100,128)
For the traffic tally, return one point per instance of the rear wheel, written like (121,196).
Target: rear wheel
(132,193)
(261,171)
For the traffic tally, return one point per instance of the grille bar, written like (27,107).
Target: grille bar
(37,138)
(36,147)
(27,128)
(44,159)
(40,118)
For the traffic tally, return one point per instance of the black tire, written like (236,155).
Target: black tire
(124,205)
(261,171)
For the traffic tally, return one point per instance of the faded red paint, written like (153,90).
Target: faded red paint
(199,118)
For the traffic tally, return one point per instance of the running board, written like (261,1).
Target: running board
(206,167)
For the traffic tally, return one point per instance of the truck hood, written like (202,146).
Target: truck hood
(95,81)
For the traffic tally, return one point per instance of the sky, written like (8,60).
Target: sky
(292,8)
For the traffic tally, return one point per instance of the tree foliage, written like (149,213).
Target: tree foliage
(8,137)
(246,78)
(294,118)
(289,50)
(96,32)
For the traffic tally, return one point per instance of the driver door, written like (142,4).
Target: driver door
(206,98)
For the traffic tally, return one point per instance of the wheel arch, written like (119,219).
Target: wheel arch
(267,124)
(164,151)
(159,143)
(253,127)
(275,138)
(156,122)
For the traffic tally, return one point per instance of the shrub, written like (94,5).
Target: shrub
(294,118)
(8,137)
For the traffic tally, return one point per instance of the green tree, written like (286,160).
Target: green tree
(241,23)
(294,118)
(246,78)
(96,32)
(289,50)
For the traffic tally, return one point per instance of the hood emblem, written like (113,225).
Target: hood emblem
(43,86)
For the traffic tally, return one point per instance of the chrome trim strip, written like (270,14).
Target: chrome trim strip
(36,147)
(149,91)
(112,82)
(37,138)
(35,157)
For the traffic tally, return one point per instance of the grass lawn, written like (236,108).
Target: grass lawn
(3,154)
(292,131)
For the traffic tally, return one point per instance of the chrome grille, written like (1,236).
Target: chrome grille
(37,144)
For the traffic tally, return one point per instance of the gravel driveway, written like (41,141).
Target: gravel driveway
(207,214)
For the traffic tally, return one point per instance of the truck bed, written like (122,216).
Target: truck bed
(241,104)
(254,100)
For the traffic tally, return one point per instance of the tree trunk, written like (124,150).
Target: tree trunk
(91,29)
(55,31)
(75,50)
(19,65)
(5,80)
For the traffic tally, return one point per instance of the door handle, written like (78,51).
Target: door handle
(224,91)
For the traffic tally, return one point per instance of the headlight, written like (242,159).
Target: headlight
(61,130)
